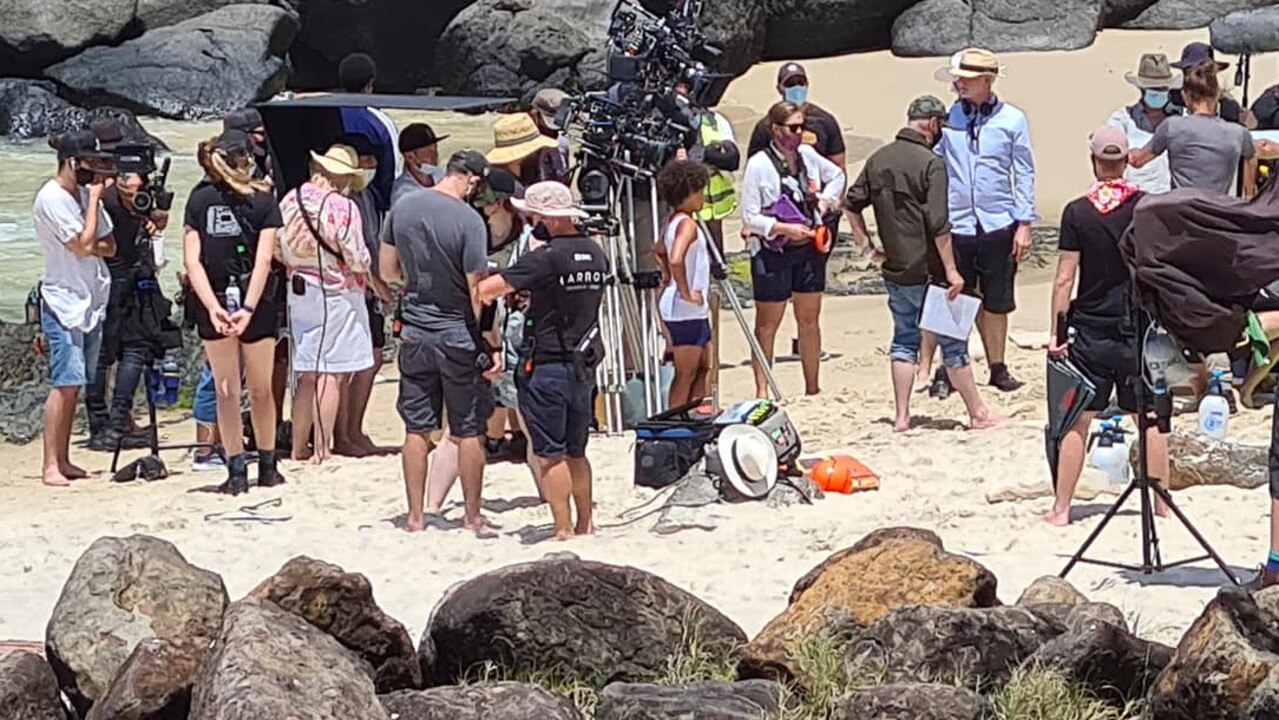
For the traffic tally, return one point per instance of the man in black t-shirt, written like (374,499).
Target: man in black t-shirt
(1104,347)
(821,129)
(556,379)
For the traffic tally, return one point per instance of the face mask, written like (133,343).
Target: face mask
(541,232)
(368,176)
(797,94)
(790,141)
(1155,99)
(83,177)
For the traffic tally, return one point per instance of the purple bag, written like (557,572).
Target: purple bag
(784,210)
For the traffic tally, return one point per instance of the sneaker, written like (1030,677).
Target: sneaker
(1003,380)
(211,460)
(940,388)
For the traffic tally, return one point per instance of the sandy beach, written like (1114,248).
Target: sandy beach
(936,476)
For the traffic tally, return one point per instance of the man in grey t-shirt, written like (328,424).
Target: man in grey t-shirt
(437,243)
(1203,151)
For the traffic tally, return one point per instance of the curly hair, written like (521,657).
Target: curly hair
(680,179)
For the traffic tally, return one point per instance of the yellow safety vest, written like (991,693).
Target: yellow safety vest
(721,198)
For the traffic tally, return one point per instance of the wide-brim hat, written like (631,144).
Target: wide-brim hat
(747,460)
(515,137)
(549,199)
(970,63)
(1153,71)
(1197,52)
(342,161)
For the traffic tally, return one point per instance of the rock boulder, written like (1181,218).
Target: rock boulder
(1051,589)
(854,588)
(269,663)
(1221,660)
(942,27)
(1196,459)
(1188,14)
(486,701)
(959,646)
(28,688)
(917,701)
(153,684)
(341,604)
(31,109)
(745,700)
(1105,658)
(592,622)
(821,28)
(197,69)
(1246,31)
(123,591)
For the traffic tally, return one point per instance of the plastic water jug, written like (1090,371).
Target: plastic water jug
(1214,409)
(1110,453)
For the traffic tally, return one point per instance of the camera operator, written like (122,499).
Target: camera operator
(556,378)
(134,259)
(75,234)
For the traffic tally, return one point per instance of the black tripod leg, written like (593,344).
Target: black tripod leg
(1110,514)
(1194,532)
(155,431)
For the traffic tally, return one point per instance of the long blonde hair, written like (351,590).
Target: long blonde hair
(223,168)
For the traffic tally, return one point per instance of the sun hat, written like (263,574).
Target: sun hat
(971,63)
(417,136)
(1108,143)
(515,137)
(342,161)
(747,459)
(548,198)
(547,103)
(1197,52)
(1153,71)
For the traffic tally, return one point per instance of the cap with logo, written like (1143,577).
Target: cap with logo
(246,119)
(791,71)
(108,132)
(81,144)
(471,161)
(417,136)
(1108,143)
(927,107)
(233,141)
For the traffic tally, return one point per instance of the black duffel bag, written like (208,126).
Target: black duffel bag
(669,444)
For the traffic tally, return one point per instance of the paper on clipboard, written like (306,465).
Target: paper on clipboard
(949,318)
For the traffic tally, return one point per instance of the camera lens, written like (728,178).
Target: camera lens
(142,201)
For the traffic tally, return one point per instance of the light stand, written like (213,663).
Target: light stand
(1144,485)
(155,447)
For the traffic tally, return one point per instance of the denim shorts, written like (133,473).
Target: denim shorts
(73,354)
(205,406)
(906,303)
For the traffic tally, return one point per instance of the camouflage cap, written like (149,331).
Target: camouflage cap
(928,106)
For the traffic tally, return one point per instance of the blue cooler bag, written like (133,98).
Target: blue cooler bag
(669,444)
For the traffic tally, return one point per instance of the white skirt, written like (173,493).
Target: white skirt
(330,331)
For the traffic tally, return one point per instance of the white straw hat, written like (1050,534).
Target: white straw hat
(342,161)
(747,459)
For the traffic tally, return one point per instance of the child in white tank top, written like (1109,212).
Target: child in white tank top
(684,259)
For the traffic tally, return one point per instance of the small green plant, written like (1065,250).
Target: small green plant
(827,677)
(584,696)
(696,661)
(1037,694)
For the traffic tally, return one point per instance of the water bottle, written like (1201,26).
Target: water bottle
(1110,454)
(171,379)
(157,251)
(1214,409)
(232,298)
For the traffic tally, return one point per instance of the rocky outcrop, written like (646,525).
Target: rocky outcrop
(844,26)
(341,604)
(917,701)
(746,700)
(1188,14)
(32,109)
(1051,589)
(1246,31)
(153,684)
(591,622)
(1221,660)
(486,701)
(1196,459)
(28,688)
(959,646)
(197,69)
(853,589)
(1105,658)
(121,592)
(941,27)
(269,663)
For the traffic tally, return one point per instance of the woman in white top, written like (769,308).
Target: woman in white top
(685,262)
(790,201)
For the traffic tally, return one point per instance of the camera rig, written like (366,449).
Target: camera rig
(139,159)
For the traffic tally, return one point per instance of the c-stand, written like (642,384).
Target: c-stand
(1142,483)
(155,446)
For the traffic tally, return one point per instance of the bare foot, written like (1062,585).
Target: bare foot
(563,535)
(1052,517)
(351,450)
(590,530)
(53,477)
(417,524)
(986,422)
(1162,510)
(301,455)
(480,526)
(74,472)
(901,426)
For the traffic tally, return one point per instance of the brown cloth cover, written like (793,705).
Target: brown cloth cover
(1200,258)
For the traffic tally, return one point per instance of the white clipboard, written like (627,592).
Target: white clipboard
(948,318)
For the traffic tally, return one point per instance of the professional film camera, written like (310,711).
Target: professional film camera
(139,159)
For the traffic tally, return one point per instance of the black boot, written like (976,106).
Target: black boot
(1002,379)
(940,388)
(268,475)
(237,480)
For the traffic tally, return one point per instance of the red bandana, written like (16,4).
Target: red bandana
(1107,195)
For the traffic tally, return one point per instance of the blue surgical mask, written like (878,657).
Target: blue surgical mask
(435,172)
(369,175)
(1155,99)
(796,94)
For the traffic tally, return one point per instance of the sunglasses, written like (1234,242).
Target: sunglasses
(796,82)
(796,128)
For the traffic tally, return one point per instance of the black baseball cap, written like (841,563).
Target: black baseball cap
(108,132)
(81,144)
(791,71)
(418,136)
(247,119)
(233,141)
(469,161)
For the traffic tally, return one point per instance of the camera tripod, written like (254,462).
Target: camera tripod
(155,446)
(1145,486)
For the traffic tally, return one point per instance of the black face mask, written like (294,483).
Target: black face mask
(83,177)
(541,232)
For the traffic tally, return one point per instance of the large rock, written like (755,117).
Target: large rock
(153,684)
(269,663)
(745,700)
(123,591)
(1117,12)
(820,28)
(197,69)
(28,688)
(1221,660)
(1051,589)
(488,701)
(341,604)
(1246,31)
(591,622)
(1105,658)
(1196,459)
(1188,14)
(853,589)
(941,27)
(917,701)
(961,646)
(32,109)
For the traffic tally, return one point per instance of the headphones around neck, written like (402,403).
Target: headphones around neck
(984,110)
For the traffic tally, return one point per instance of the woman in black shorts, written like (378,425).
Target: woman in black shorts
(787,193)
(228,241)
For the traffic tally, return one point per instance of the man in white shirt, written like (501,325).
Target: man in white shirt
(1156,80)
(74,232)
